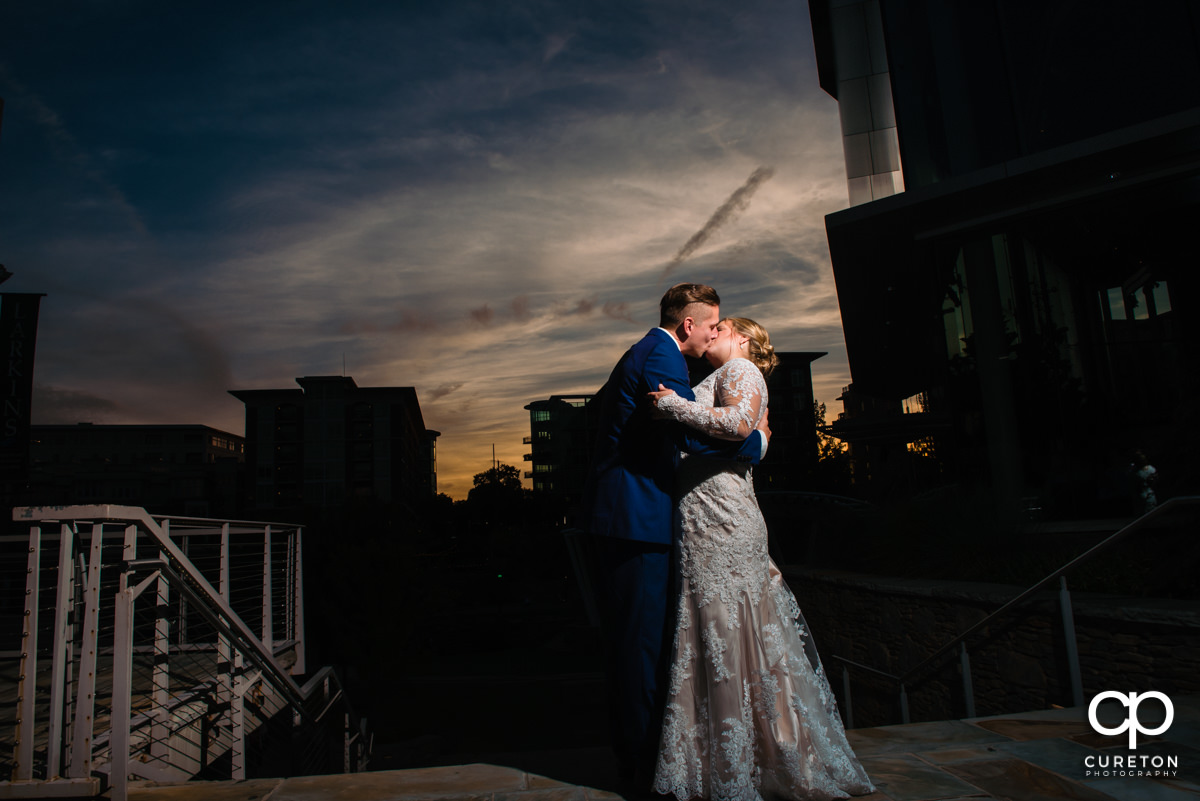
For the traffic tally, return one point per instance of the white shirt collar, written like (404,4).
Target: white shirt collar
(672,336)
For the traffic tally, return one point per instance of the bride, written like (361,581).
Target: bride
(749,713)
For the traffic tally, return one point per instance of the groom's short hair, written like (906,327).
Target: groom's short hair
(672,308)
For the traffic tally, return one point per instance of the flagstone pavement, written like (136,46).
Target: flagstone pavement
(1033,756)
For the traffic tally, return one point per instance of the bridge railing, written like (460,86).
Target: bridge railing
(163,649)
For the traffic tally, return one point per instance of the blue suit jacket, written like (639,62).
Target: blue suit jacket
(630,485)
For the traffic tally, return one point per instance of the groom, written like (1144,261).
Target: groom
(629,507)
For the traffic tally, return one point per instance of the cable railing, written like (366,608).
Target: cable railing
(163,649)
(906,679)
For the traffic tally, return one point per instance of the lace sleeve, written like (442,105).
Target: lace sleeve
(740,393)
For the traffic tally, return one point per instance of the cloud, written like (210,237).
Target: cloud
(59,405)
(618,311)
(442,391)
(520,308)
(555,44)
(407,321)
(206,358)
(483,315)
(738,202)
(477,201)
(69,150)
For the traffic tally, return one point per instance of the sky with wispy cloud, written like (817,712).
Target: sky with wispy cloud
(484,201)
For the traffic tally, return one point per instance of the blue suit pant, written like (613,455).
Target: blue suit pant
(636,598)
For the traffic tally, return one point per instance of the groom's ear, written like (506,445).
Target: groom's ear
(688,324)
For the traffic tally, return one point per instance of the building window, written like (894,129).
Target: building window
(915,404)
(541,416)
(224,443)
(1162,298)
(1151,299)
(1114,299)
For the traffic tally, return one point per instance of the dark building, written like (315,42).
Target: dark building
(331,444)
(1017,265)
(190,470)
(890,442)
(792,454)
(562,433)
(18,342)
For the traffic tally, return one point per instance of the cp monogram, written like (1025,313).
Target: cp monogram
(1131,723)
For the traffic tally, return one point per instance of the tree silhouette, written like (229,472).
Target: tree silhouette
(497,497)
(501,478)
(833,471)
(828,447)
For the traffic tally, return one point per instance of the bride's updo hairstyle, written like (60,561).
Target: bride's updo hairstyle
(762,353)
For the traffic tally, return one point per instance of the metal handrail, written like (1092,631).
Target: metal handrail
(232,627)
(867,668)
(187,576)
(1160,511)
(171,566)
(959,641)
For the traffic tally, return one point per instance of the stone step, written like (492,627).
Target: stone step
(1031,756)
(453,783)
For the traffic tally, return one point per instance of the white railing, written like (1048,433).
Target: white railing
(163,649)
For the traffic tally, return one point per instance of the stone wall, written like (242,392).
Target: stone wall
(1018,663)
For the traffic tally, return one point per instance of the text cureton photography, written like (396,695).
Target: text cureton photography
(1121,765)
(1131,764)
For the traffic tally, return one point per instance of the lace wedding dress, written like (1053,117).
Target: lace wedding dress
(749,713)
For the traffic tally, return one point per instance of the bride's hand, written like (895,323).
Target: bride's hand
(655,397)
(658,396)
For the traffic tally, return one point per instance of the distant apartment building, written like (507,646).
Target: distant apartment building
(331,444)
(190,470)
(1016,268)
(562,433)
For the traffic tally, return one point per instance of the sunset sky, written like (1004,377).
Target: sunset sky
(484,201)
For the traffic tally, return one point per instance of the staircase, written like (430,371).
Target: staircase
(163,649)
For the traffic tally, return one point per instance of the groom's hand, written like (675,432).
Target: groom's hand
(763,427)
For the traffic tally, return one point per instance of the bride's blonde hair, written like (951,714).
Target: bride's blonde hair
(762,353)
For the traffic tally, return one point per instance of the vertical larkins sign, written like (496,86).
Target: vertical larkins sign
(18,336)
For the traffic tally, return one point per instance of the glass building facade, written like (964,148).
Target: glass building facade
(1033,287)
